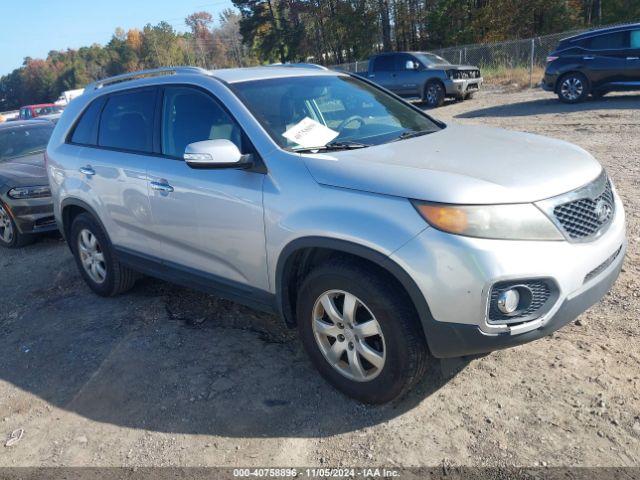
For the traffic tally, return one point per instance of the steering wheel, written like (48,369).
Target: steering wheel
(352,118)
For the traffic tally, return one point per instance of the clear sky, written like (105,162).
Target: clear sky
(31,28)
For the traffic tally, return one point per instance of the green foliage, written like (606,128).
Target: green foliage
(321,31)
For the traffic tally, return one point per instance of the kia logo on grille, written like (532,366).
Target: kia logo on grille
(603,210)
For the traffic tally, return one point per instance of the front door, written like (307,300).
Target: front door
(209,221)
(407,76)
(633,58)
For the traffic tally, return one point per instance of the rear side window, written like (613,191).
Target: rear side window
(385,63)
(610,41)
(126,122)
(86,131)
(635,39)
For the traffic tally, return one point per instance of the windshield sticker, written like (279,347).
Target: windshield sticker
(309,133)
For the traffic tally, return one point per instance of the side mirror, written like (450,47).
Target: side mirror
(215,154)
(411,65)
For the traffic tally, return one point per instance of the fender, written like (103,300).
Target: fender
(76,202)
(378,258)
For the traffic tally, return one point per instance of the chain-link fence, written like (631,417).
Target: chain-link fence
(505,62)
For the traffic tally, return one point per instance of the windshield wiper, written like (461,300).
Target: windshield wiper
(332,146)
(412,134)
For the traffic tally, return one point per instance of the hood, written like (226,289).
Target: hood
(461,164)
(24,171)
(449,66)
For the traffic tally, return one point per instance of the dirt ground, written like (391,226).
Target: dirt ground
(165,376)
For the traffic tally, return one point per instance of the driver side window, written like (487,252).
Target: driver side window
(190,115)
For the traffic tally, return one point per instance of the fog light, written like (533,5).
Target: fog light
(508,301)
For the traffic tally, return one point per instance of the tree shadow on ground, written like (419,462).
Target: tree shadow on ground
(168,359)
(553,106)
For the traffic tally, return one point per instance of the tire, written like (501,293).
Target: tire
(10,236)
(573,88)
(109,277)
(598,94)
(434,94)
(401,344)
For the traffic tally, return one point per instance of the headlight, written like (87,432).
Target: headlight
(508,222)
(38,191)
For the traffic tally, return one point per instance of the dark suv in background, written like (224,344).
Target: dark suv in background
(595,62)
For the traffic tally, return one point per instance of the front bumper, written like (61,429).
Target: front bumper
(33,215)
(455,275)
(548,82)
(460,87)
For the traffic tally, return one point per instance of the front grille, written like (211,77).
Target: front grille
(466,74)
(541,296)
(603,266)
(585,217)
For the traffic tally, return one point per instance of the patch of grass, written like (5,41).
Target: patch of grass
(516,78)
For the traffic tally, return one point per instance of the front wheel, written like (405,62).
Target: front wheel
(363,336)
(434,94)
(10,237)
(573,88)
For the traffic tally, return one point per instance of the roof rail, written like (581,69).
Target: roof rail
(142,74)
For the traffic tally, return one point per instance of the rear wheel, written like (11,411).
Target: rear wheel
(573,88)
(361,333)
(96,260)
(10,237)
(434,94)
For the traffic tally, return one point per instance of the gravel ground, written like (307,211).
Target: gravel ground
(165,376)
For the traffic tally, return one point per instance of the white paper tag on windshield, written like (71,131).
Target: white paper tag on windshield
(309,133)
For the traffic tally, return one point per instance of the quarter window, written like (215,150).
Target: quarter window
(127,121)
(635,39)
(190,115)
(86,131)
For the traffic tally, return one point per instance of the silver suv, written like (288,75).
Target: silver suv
(384,235)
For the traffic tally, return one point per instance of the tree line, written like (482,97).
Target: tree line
(320,31)
(338,31)
(205,44)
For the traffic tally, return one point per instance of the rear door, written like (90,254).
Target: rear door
(606,58)
(113,162)
(209,221)
(383,72)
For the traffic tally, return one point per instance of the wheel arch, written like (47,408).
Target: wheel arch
(298,254)
(70,209)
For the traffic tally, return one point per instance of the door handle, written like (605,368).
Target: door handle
(162,187)
(633,58)
(88,171)
(588,58)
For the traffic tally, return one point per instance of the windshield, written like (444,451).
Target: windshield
(18,142)
(47,110)
(431,59)
(301,112)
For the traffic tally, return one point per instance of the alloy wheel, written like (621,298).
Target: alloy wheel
(6,227)
(348,335)
(91,256)
(433,93)
(572,88)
